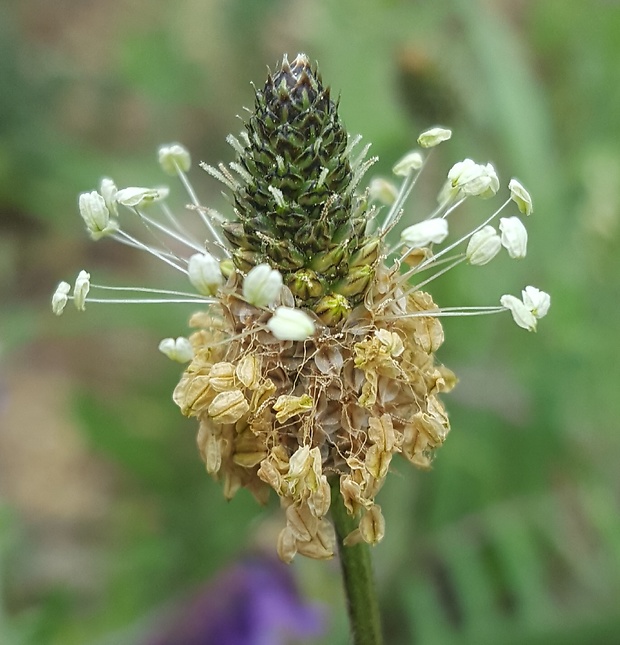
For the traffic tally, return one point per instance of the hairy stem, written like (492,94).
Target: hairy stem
(358,581)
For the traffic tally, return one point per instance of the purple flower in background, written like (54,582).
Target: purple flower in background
(254,602)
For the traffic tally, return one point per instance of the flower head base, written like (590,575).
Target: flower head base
(313,355)
(345,412)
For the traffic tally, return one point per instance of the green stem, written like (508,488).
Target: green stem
(358,581)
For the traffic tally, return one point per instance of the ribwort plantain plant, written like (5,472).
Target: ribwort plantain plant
(313,359)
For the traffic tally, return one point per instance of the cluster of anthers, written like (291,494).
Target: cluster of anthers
(293,394)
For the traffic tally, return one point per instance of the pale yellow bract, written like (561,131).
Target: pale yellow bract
(288,415)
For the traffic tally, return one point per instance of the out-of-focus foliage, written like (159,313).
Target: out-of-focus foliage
(107,514)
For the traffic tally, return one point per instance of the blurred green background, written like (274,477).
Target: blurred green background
(106,512)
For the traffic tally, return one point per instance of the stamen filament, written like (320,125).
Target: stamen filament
(149,249)
(141,247)
(450,312)
(149,290)
(404,192)
(405,276)
(437,212)
(192,195)
(175,222)
(465,237)
(418,286)
(145,301)
(175,236)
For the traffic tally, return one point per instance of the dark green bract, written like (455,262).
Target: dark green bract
(296,206)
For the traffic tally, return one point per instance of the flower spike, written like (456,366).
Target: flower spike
(312,362)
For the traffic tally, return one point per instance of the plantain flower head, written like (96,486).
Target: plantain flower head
(312,361)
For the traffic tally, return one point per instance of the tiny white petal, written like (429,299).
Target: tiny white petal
(80,290)
(262,286)
(108,192)
(422,234)
(483,246)
(290,324)
(96,215)
(520,312)
(135,196)
(433,137)
(520,197)
(174,156)
(411,161)
(60,297)
(537,301)
(179,350)
(382,191)
(204,273)
(514,236)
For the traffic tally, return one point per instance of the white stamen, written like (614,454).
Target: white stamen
(537,301)
(433,137)
(80,290)
(483,246)
(520,197)
(262,286)
(60,297)
(96,215)
(290,324)
(424,233)
(382,191)
(205,274)
(521,314)
(514,237)
(179,350)
(473,179)
(174,158)
(134,196)
(108,192)
(411,161)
